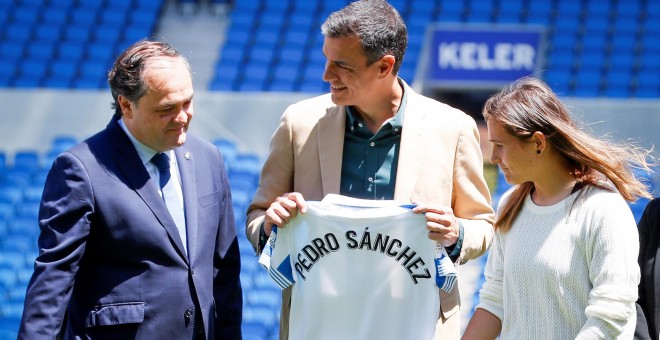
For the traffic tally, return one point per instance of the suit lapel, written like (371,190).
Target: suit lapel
(187,170)
(130,164)
(331,146)
(413,149)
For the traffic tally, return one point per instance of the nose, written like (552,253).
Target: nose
(494,157)
(328,74)
(185,113)
(182,116)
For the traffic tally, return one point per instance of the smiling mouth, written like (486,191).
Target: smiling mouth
(337,88)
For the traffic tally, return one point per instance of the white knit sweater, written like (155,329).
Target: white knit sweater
(561,275)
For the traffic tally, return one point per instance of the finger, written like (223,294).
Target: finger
(299,201)
(281,211)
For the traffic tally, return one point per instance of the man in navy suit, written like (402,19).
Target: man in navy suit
(114,260)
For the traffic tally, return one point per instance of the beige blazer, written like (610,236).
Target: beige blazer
(440,162)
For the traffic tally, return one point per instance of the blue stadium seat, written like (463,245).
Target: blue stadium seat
(254,330)
(296,37)
(62,72)
(49,33)
(630,9)
(511,6)
(260,314)
(12,259)
(54,16)
(7,69)
(18,177)
(570,8)
(247,163)
(4,225)
(238,36)
(85,15)
(7,277)
(25,14)
(594,42)
(111,16)
(19,242)
(12,50)
(63,142)
(94,70)
(19,32)
(286,70)
(32,194)
(144,18)
(300,20)
(39,176)
(227,149)
(219,84)
(255,77)
(588,83)
(281,85)
(449,9)
(41,50)
(108,34)
(623,44)
(88,83)
(291,55)
(597,9)
(597,25)
(77,32)
(26,160)
(71,50)
(271,22)
(592,60)
(270,298)
(25,225)
(7,210)
(261,54)
(133,33)
(304,6)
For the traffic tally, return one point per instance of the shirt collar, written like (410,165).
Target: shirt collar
(395,122)
(146,153)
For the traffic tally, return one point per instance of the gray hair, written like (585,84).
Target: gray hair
(376,23)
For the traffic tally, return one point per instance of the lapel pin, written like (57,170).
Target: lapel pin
(187,155)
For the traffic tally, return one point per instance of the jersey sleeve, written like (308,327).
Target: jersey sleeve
(276,258)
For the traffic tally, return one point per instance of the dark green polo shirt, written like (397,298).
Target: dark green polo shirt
(369,161)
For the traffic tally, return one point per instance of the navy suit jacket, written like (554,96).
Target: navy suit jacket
(648,304)
(111,263)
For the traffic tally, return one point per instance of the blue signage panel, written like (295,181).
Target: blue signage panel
(473,55)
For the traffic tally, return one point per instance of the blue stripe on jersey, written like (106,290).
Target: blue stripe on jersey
(278,278)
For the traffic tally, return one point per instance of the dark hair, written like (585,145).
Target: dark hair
(376,23)
(529,105)
(126,77)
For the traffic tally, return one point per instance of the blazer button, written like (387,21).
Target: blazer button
(188,313)
(192,271)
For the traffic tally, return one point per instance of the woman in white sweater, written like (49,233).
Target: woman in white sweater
(563,264)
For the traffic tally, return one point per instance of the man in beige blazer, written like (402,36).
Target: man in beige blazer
(434,158)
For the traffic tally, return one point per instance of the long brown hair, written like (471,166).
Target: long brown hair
(529,105)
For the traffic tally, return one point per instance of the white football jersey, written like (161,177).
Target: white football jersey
(366,270)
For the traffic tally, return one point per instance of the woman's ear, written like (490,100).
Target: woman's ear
(540,142)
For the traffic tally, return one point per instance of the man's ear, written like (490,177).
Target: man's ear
(125,106)
(386,63)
